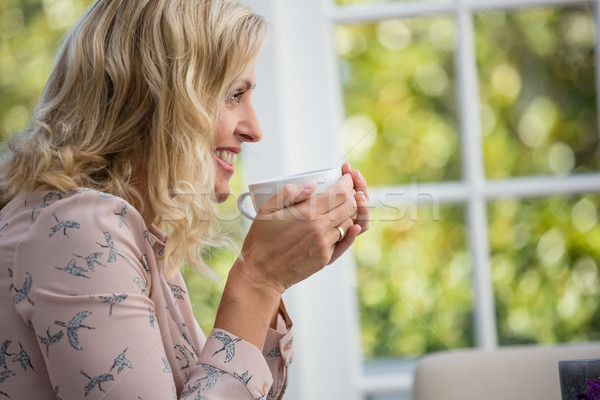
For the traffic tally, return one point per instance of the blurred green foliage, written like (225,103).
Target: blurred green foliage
(414,269)
(545,257)
(538,117)
(537,90)
(30,32)
(400,100)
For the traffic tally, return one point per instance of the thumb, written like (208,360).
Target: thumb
(288,196)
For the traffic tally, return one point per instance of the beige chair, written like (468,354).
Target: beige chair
(507,373)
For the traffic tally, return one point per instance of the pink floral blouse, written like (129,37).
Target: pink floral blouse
(85,312)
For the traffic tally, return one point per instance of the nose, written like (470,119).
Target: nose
(248,128)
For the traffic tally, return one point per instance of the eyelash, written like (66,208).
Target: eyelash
(237,97)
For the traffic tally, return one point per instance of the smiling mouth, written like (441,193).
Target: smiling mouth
(226,156)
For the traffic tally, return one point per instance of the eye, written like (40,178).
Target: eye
(237,96)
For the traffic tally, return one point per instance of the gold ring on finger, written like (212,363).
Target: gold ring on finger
(341,231)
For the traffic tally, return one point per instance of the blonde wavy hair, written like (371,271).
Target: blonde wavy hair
(130,109)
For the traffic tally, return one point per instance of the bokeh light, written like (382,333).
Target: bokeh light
(537,89)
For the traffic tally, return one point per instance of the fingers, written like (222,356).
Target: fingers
(362,199)
(344,244)
(360,183)
(340,231)
(288,196)
(363,211)
(346,168)
(335,196)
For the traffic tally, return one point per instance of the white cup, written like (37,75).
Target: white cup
(262,191)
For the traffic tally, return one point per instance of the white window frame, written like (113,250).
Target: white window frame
(299,103)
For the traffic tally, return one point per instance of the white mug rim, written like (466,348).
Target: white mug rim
(289,177)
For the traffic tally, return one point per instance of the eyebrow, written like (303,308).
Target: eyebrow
(248,83)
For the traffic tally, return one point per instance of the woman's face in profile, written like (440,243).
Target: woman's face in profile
(237,123)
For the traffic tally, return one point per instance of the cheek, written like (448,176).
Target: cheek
(224,126)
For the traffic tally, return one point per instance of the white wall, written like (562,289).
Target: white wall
(295,101)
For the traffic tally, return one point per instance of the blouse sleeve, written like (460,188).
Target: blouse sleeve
(89,303)
(230,362)
(84,259)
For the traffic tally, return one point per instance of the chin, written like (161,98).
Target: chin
(221,197)
(221,194)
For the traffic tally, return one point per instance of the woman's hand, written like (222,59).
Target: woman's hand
(293,236)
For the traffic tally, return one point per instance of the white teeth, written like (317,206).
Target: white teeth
(227,156)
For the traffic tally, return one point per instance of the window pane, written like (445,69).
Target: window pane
(399,98)
(415,287)
(545,259)
(536,76)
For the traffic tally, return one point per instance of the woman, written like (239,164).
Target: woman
(138,128)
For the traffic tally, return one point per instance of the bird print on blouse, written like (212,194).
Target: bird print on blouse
(186,356)
(73,269)
(144,262)
(23,293)
(122,214)
(48,199)
(167,366)
(92,260)
(20,358)
(73,327)
(110,245)
(56,390)
(4,375)
(96,381)
(177,291)
(244,378)
(115,242)
(37,208)
(4,352)
(152,317)
(121,362)
(49,339)
(59,194)
(113,300)
(276,352)
(142,285)
(192,388)
(63,225)
(228,344)
(23,358)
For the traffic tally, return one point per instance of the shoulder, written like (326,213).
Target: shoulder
(70,209)
(81,220)
(82,237)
